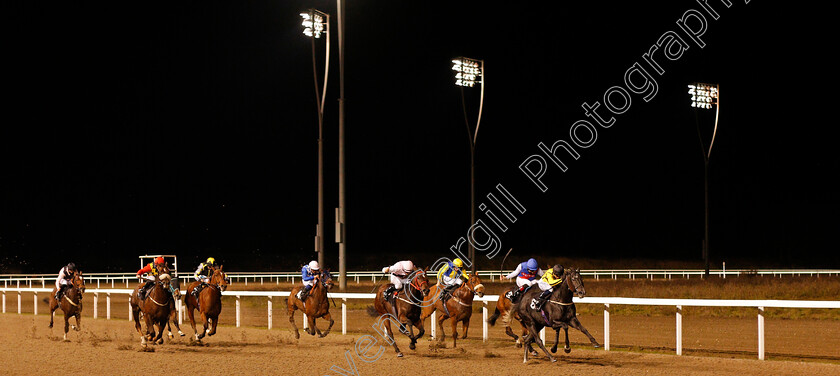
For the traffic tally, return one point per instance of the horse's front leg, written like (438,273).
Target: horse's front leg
(213,326)
(406,323)
(466,324)
(204,321)
(566,349)
(442,318)
(310,320)
(575,323)
(66,325)
(291,311)
(78,326)
(328,316)
(391,336)
(556,340)
(454,321)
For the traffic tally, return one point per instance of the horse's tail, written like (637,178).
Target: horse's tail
(492,319)
(371,311)
(508,316)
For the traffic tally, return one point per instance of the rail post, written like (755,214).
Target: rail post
(108,308)
(18,301)
(761,333)
(679,330)
(606,327)
(35,303)
(433,326)
(269,313)
(4,302)
(305,322)
(343,316)
(484,328)
(238,312)
(95,304)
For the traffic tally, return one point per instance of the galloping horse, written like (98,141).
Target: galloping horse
(559,312)
(156,309)
(175,288)
(458,307)
(503,306)
(315,306)
(209,302)
(71,303)
(406,311)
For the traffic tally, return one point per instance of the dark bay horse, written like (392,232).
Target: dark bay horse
(315,306)
(71,303)
(405,312)
(155,308)
(458,307)
(209,303)
(558,312)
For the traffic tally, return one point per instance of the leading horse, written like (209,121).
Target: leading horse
(156,309)
(315,306)
(458,306)
(71,303)
(209,303)
(405,310)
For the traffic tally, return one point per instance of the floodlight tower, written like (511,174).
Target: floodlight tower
(468,73)
(705,97)
(314,24)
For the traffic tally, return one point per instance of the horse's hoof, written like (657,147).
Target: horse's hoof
(597,346)
(399,355)
(567,350)
(553,350)
(553,360)
(170,335)
(518,345)
(412,346)
(297,335)
(535,353)
(180,333)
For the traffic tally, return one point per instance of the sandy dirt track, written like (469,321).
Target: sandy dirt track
(102,347)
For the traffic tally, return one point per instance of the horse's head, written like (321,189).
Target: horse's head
(79,281)
(220,278)
(574,281)
(165,280)
(474,283)
(326,279)
(419,281)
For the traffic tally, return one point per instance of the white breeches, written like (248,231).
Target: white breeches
(398,282)
(525,282)
(448,281)
(61,282)
(149,278)
(310,282)
(544,285)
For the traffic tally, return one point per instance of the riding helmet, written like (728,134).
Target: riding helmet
(71,267)
(457,262)
(158,260)
(531,264)
(211,260)
(313,265)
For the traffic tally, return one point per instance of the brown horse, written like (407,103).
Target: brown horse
(458,307)
(503,306)
(155,308)
(405,312)
(71,303)
(209,302)
(315,306)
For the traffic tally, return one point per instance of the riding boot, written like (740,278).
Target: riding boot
(58,294)
(541,300)
(389,292)
(447,292)
(304,292)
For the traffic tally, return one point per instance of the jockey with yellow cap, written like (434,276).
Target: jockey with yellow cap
(202,274)
(148,273)
(449,276)
(551,279)
(309,274)
(399,276)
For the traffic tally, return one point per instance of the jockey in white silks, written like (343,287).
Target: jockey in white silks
(399,277)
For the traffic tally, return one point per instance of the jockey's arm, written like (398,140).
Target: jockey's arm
(59,278)
(465,275)
(514,273)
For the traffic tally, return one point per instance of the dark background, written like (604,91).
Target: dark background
(190,128)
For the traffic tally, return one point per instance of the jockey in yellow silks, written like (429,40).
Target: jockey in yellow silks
(550,279)
(450,276)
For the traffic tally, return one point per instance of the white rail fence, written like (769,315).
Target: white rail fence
(760,306)
(113,279)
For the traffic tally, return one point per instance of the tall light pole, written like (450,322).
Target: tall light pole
(468,73)
(316,23)
(705,97)
(341,220)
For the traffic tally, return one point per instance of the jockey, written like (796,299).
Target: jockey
(549,280)
(202,274)
(150,270)
(450,275)
(65,278)
(309,274)
(399,277)
(526,274)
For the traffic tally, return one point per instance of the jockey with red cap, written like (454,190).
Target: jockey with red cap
(150,270)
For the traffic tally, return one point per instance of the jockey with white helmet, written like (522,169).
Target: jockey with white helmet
(399,276)
(309,274)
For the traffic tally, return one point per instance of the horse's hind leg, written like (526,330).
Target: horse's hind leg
(78,326)
(566,349)
(391,336)
(442,318)
(66,325)
(291,312)
(213,326)
(311,322)
(466,324)
(204,320)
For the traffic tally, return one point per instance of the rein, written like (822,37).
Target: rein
(70,301)
(155,301)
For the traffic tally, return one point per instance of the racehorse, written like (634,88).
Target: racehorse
(458,307)
(156,309)
(503,306)
(315,306)
(405,312)
(71,303)
(559,312)
(209,302)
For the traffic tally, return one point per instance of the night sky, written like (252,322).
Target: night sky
(190,128)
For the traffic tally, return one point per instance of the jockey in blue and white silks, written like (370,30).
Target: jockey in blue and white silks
(526,274)
(308,274)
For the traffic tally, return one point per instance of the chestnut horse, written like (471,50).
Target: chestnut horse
(503,306)
(71,303)
(209,302)
(405,312)
(156,309)
(458,307)
(315,306)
